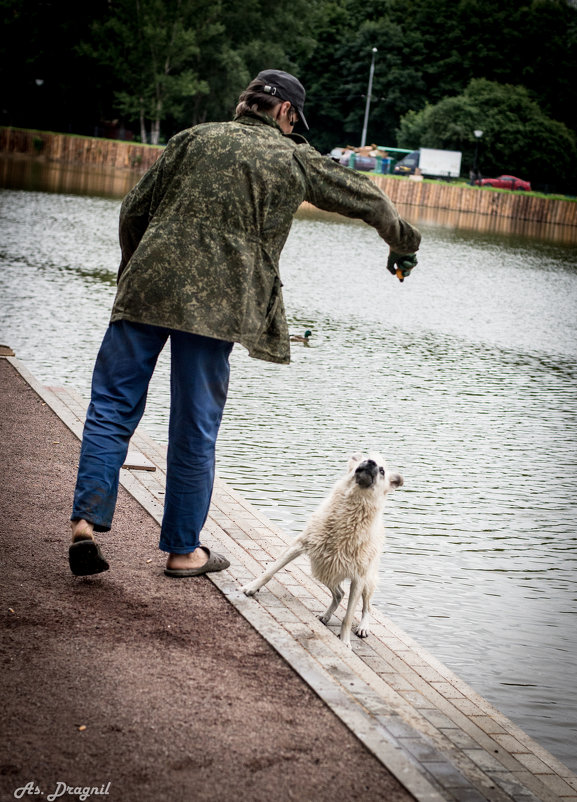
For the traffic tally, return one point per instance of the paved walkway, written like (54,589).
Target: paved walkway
(156,686)
(432,732)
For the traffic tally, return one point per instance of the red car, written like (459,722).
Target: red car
(505,182)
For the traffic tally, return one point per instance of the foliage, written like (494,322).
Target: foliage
(162,65)
(432,49)
(159,69)
(255,35)
(518,138)
(190,59)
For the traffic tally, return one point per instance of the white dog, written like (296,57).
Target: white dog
(344,539)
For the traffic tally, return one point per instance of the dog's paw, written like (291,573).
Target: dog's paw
(345,641)
(362,632)
(324,619)
(248,590)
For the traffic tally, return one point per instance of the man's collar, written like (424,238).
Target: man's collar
(256,118)
(298,139)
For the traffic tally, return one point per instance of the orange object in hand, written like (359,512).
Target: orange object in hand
(399,274)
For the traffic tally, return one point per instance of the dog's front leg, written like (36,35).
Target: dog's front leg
(354,596)
(338,594)
(293,551)
(364,627)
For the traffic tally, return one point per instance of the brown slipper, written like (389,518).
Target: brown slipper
(216,562)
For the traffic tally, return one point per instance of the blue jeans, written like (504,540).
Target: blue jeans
(198,389)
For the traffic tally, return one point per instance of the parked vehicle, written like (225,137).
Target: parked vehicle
(408,164)
(505,182)
(370,158)
(431,162)
(351,159)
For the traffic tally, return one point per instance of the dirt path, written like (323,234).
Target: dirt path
(155,686)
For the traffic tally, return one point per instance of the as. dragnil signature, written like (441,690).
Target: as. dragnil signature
(83,793)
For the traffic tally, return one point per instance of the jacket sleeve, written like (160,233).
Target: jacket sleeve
(335,188)
(135,213)
(141,203)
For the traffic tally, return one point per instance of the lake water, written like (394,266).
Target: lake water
(464,376)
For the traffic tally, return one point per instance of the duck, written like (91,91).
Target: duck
(299,338)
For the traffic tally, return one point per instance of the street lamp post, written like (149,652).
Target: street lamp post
(478,134)
(368,103)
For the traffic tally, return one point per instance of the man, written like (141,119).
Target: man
(201,236)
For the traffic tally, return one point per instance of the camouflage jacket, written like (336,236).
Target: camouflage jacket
(202,232)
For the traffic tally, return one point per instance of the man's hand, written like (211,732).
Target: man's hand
(401,266)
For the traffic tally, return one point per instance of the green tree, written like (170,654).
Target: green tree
(254,35)
(180,62)
(152,48)
(336,75)
(432,49)
(517,137)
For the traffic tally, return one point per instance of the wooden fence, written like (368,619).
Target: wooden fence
(474,200)
(70,149)
(111,153)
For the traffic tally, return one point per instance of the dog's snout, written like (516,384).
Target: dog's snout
(367,466)
(366,472)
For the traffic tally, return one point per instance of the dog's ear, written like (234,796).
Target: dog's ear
(353,459)
(395,481)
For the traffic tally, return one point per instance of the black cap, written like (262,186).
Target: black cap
(286,87)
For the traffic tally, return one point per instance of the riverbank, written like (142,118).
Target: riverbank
(97,697)
(78,150)
(466,199)
(115,155)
